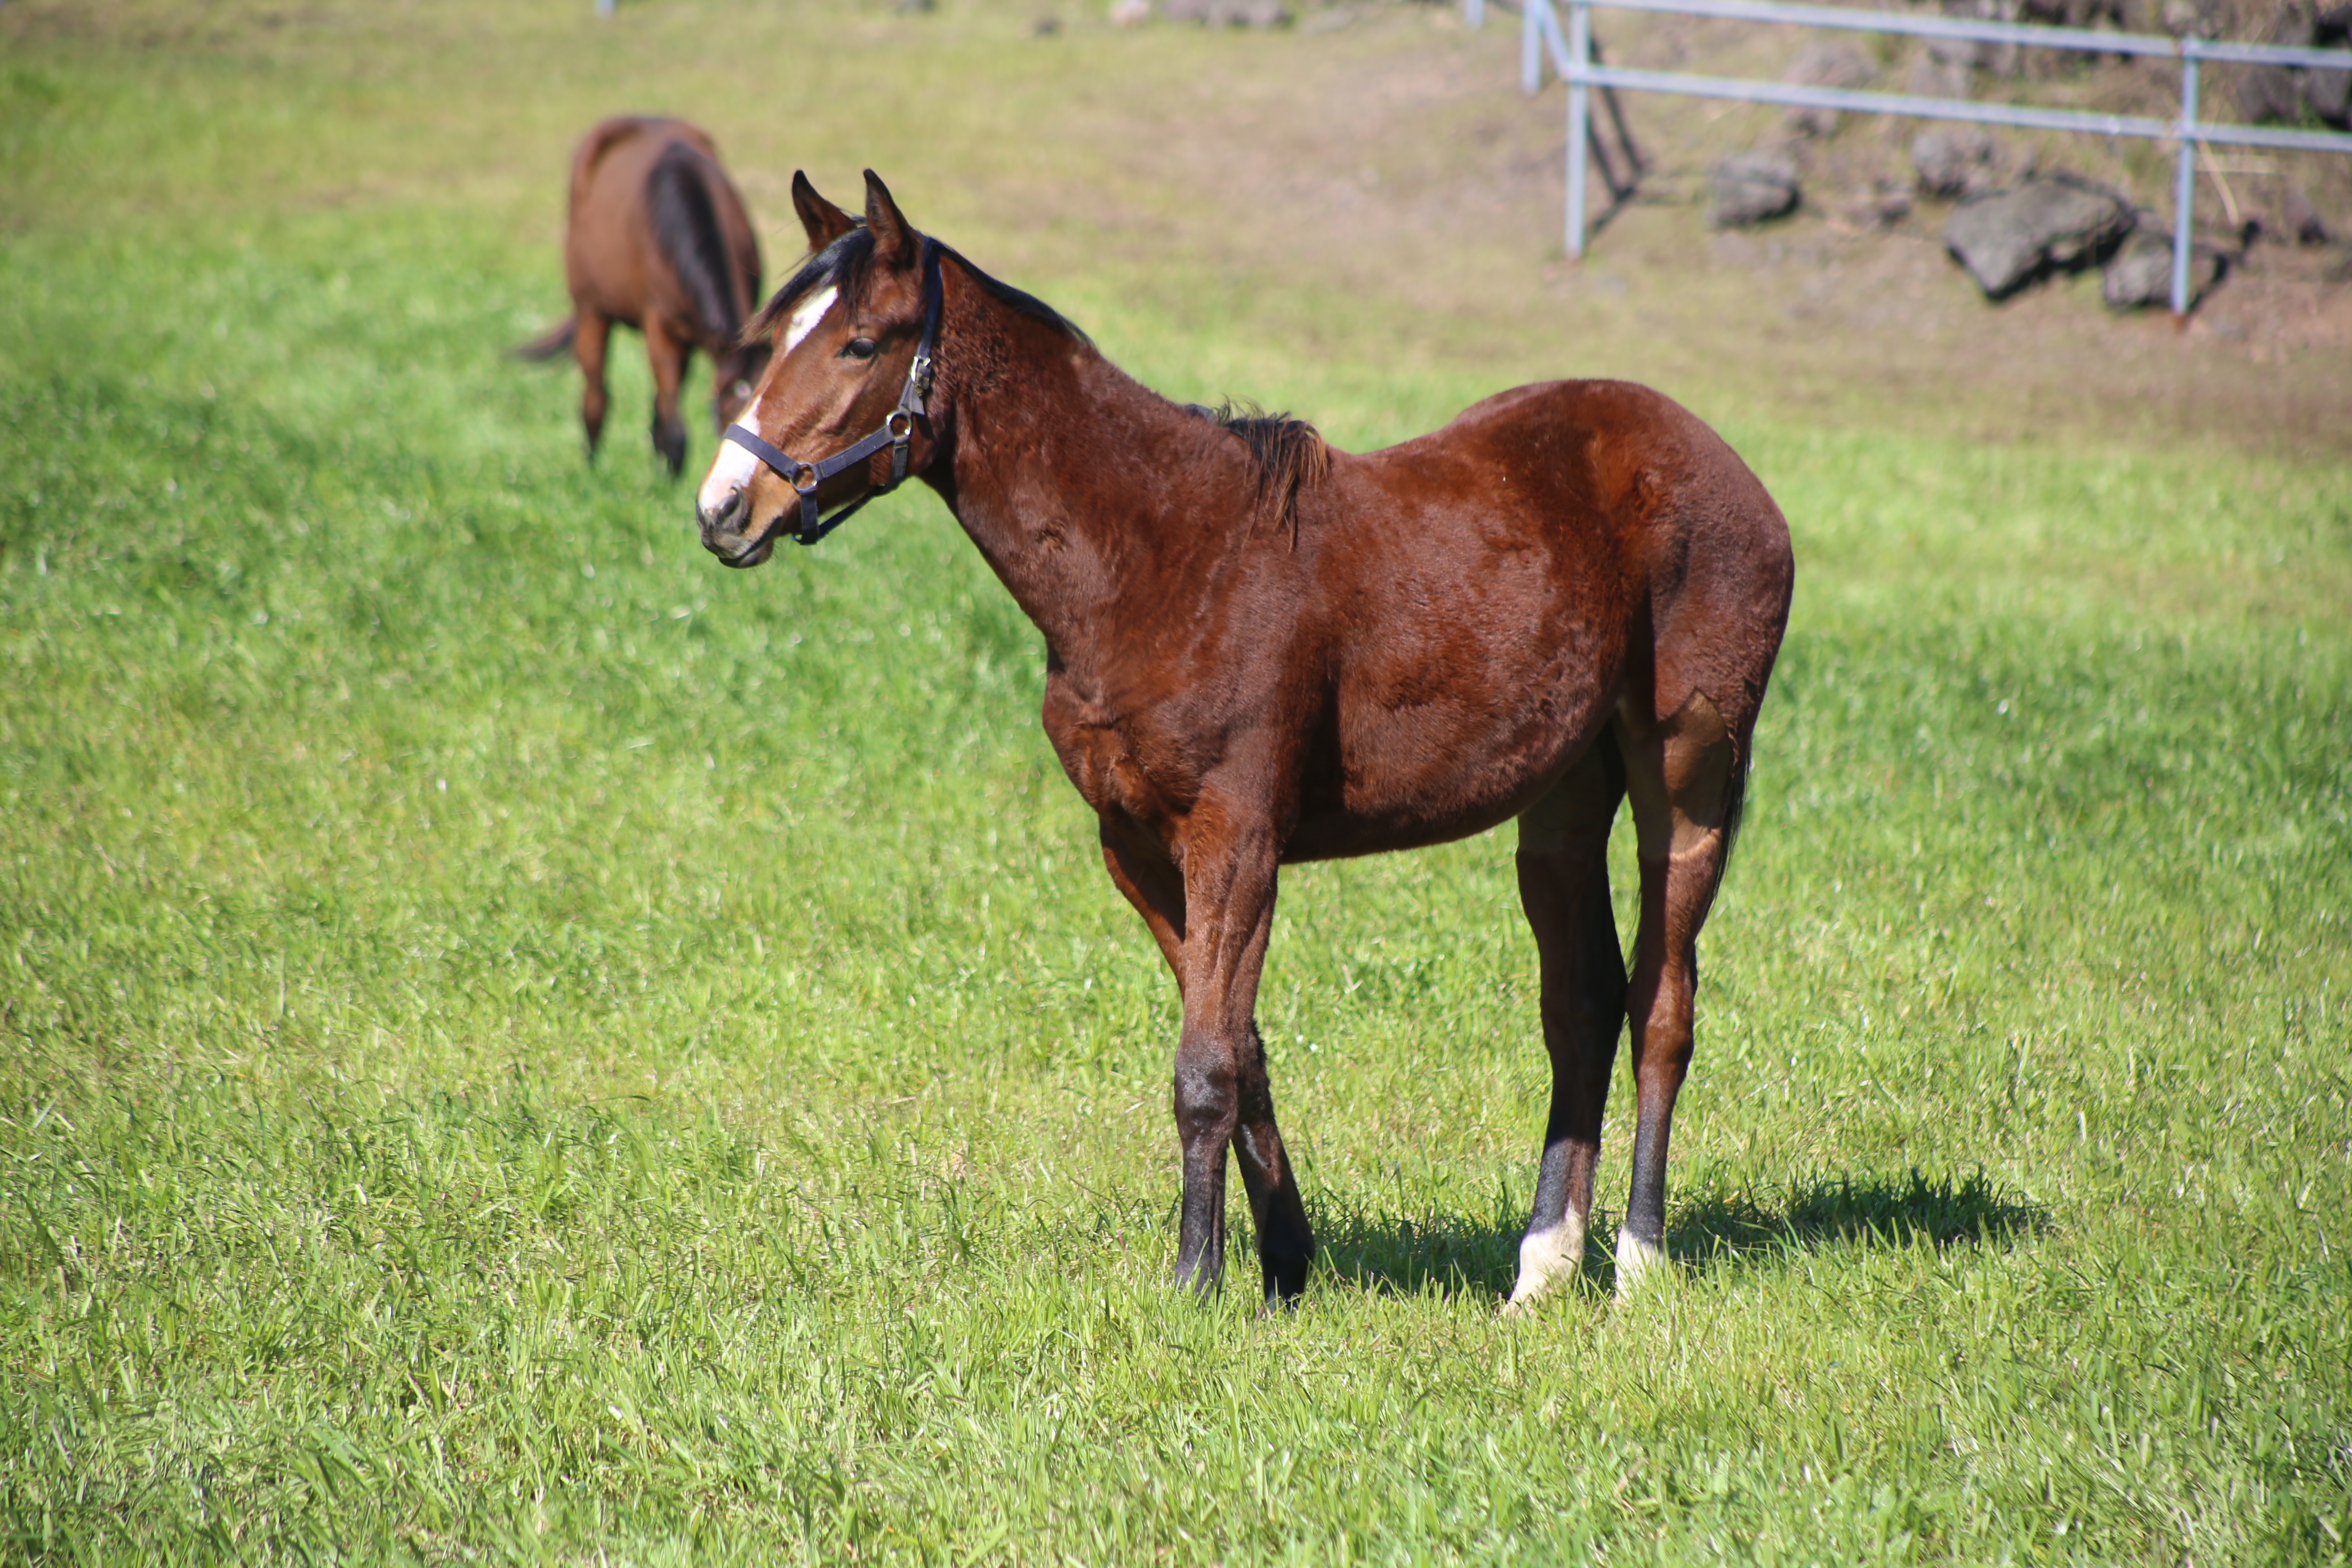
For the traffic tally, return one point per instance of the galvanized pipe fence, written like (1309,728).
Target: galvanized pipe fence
(1572,58)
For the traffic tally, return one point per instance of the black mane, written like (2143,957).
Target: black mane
(846,262)
(1285,454)
(687,230)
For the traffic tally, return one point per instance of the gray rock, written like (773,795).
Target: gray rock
(1750,188)
(1999,58)
(1826,65)
(2008,239)
(1932,78)
(1228,12)
(2299,220)
(2139,275)
(1956,160)
(2267,93)
(2330,93)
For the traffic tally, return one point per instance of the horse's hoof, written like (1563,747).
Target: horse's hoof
(1285,1279)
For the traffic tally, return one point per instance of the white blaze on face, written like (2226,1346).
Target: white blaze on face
(805,319)
(733,468)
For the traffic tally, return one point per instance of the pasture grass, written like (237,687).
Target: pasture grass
(522,1045)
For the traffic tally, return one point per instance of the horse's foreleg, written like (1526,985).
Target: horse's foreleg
(1680,773)
(668,355)
(1563,869)
(588,347)
(1285,1242)
(1222,1096)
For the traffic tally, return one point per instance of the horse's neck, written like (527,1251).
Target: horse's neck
(1081,487)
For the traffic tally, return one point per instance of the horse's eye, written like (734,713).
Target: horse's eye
(858,348)
(742,389)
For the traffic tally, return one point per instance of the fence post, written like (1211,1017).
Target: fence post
(1474,13)
(1531,46)
(2184,183)
(1579,121)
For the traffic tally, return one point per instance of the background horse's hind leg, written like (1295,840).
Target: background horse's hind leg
(588,347)
(1563,866)
(1682,774)
(668,355)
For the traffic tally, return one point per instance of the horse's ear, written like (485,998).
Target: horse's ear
(894,237)
(825,222)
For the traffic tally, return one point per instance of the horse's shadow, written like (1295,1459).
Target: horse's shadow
(1432,1253)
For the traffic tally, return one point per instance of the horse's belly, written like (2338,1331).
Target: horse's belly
(1403,778)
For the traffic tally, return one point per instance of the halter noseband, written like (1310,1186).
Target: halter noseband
(895,433)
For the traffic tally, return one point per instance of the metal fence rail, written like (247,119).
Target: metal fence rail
(1571,58)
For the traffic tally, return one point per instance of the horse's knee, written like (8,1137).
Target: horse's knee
(1207,1096)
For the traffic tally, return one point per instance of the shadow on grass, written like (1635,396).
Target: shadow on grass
(1447,1255)
(1835,1211)
(1420,1255)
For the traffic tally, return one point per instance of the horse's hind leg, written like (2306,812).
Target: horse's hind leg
(1683,773)
(668,355)
(588,347)
(1563,866)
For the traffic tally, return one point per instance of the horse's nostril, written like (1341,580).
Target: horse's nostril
(724,513)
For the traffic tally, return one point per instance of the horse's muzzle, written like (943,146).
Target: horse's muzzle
(722,531)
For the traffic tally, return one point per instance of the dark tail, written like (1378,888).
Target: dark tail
(549,343)
(1733,810)
(685,229)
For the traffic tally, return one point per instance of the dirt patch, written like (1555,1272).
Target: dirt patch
(1370,180)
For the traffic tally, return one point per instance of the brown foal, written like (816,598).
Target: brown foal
(659,240)
(1262,650)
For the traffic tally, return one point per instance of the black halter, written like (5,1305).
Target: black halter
(896,431)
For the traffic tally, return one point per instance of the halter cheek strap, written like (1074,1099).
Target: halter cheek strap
(896,431)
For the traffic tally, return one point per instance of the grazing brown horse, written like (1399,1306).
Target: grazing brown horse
(1262,650)
(657,240)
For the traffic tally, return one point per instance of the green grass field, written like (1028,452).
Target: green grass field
(522,1044)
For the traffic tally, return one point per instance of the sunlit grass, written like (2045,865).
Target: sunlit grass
(520,1043)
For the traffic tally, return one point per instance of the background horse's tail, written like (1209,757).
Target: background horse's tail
(685,229)
(549,343)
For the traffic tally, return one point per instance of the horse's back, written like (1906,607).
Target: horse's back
(611,160)
(1580,534)
(613,249)
(1611,475)
(1618,469)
